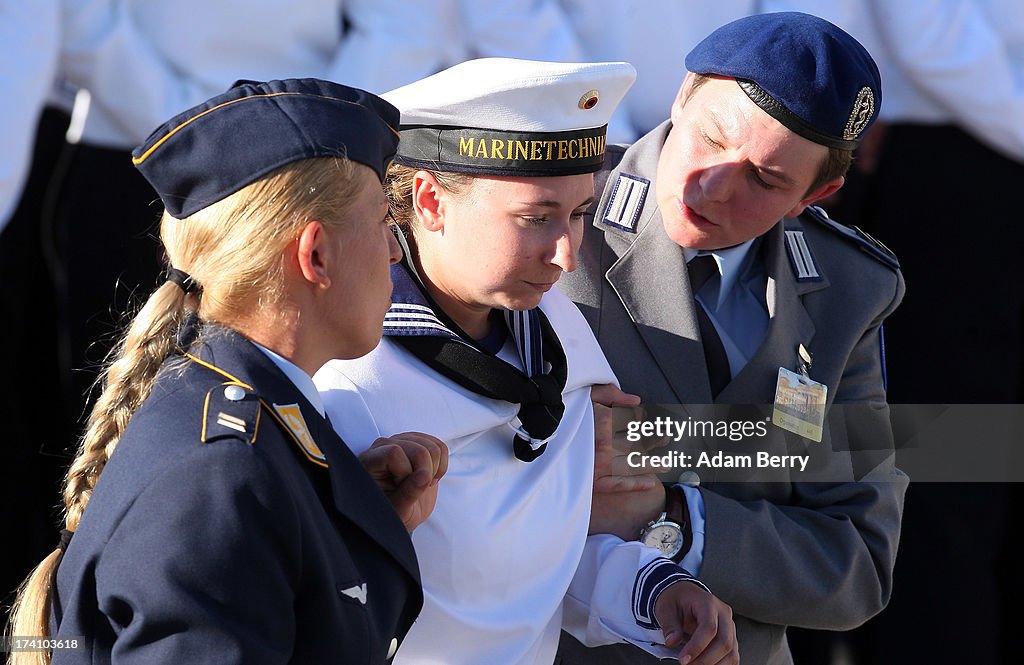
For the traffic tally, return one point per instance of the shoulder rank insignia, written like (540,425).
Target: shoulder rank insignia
(231,411)
(290,416)
(625,202)
(800,257)
(859,237)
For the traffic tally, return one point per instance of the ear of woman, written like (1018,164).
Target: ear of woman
(314,253)
(428,201)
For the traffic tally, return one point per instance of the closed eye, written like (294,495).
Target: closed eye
(759,180)
(710,141)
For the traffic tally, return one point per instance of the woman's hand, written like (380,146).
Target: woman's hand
(687,613)
(407,467)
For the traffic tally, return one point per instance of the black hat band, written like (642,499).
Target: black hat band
(790,120)
(492,152)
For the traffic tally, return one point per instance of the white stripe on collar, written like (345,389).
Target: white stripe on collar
(800,256)
(411,314)
(625,202)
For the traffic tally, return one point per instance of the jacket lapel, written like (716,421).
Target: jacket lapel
(356,497)
(650,280)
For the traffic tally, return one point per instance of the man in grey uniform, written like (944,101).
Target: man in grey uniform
(709,279)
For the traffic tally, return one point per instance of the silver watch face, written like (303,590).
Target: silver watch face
(664,536)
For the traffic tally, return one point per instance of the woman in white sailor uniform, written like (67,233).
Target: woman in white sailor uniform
(212,515)
(491,181)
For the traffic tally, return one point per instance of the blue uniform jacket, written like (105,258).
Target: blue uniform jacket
(216,534)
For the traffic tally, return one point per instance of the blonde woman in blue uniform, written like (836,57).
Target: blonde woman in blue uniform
(212,515)
(490,185)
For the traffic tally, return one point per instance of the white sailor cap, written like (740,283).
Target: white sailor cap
(502,116)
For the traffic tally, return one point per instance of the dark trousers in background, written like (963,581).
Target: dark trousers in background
(949,208)
(33,404)
(79,252)
(110,255)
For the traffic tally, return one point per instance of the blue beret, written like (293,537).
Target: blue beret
(217,148)
(800,69)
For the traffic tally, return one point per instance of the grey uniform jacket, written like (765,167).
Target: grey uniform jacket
(818,554)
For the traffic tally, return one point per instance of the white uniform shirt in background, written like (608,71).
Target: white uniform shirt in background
(146,60)
(654,37)
(958,62)
(29,42)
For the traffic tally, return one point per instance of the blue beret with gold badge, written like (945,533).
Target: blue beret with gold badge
(805,72)
(215,149)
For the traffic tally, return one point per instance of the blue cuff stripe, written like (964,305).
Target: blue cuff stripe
(651,580)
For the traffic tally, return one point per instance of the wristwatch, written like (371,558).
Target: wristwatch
(670,533)
(664,535)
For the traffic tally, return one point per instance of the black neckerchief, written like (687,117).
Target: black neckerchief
(418,324)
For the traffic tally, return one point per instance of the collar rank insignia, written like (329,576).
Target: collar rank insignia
(291,416)
(626,202)
(230,411)
(800,257)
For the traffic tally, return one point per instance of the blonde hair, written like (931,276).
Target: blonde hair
(234,250)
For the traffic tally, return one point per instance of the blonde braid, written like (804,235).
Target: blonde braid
(127,382)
